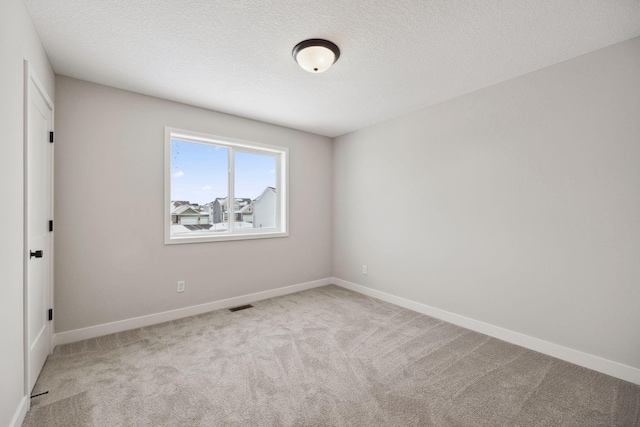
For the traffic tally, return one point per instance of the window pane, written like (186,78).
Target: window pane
(199,187)
(198,176)
(255,190)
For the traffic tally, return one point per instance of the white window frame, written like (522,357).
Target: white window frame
(282,190)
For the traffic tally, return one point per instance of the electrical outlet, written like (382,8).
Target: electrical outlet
(364,269)
(180,286)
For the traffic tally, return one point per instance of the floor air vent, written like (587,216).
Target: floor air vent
(242,307)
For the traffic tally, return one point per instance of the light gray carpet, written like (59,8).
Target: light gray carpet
(324,357)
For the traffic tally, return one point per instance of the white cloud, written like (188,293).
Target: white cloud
(207,188)
(178,174)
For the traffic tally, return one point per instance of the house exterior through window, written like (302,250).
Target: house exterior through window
(202,171)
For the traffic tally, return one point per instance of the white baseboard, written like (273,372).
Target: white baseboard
(152,319)
(609,367)
(21,412)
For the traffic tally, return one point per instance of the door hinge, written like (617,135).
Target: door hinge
(50,314)
(50,136)
(50,225)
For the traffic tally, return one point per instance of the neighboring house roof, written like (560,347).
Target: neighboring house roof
(246,207)
(187,210)
(220,200)
(262,194)
(240,202)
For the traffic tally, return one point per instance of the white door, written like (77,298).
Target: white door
(38,239)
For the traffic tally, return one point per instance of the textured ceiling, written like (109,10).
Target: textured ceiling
(397,56)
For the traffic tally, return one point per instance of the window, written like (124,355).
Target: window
(223,189)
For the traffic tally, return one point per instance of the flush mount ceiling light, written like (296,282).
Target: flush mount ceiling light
(316,55)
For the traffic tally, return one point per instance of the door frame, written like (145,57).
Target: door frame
(31,77)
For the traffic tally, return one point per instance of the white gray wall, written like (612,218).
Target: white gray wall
(109,162)
(516,205)
(18,41)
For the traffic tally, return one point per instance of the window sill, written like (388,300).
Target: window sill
(201,238)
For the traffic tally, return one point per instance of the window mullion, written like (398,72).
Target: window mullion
(278,191)
(231,204)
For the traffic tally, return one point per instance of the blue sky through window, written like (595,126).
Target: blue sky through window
(199,172)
